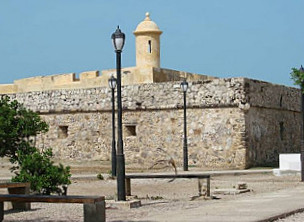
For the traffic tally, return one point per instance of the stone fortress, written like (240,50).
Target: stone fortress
(233,123)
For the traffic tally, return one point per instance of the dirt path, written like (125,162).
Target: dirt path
(158,196)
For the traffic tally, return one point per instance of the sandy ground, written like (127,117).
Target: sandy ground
(157,196)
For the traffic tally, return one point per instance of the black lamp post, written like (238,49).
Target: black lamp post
(184,87)
(118,39)
(112,84)
(301,70)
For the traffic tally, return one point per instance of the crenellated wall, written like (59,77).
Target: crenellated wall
(232,123)
(55,82)
(92,79)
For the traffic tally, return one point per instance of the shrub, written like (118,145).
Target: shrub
(18,130)
(37,168)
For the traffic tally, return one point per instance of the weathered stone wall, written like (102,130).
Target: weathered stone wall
(232,123)
(201,94)
(215,136)
(271,132)
(273,122)
(272,96)
(80,122)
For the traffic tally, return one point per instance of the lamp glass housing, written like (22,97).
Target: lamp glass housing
(184,85)
(112,82)
(118,39)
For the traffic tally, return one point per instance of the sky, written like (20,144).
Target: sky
(257,39)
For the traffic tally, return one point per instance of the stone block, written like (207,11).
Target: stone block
(128,204)
(230,191)
(290,161)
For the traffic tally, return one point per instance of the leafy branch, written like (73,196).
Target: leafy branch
(297,75)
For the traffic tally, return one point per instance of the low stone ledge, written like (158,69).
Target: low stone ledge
(128,204)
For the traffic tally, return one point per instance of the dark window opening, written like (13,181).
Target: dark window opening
(281,100)
(63,132)
(150,46)
(130,130)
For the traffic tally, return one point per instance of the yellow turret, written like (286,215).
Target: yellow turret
(147,36)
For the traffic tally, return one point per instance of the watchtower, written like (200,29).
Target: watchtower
(147,35)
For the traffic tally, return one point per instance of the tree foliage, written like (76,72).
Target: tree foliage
(18,127)
(38,169)
(297,75)
(18,130)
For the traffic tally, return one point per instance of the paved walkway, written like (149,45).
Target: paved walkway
(262,207)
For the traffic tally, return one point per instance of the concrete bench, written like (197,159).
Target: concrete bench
(93,206)
(128,178)
(18,188)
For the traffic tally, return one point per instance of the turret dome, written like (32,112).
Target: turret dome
(147,26)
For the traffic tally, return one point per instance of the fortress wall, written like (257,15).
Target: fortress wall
(80,122)
(8,88)
(93,79)
(273,122)
(215,136)
(169,75)
(268,95)
(271,132)
(87,79)
(131,75)
(209,93)
(226,127)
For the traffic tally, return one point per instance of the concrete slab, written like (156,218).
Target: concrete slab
(261,207)
(128,204)
(230,191)
(290,164)
(278,172)
(290,161)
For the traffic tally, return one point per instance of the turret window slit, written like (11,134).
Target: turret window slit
(149,46)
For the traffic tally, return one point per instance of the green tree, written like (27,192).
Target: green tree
(18,127)
(18,130)
(38,169)
(297,75)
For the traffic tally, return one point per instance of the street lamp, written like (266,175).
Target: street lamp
(112,84)
(301,70)
(118,39)
(184,87)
